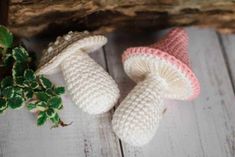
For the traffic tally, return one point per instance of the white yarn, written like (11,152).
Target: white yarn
(137,66)
(137,118)
(91,88)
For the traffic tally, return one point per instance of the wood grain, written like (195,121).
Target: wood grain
(33,17)
(228,45)
(204,127)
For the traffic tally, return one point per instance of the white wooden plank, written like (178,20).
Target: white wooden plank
(204,127)
(87,136)
(228,43)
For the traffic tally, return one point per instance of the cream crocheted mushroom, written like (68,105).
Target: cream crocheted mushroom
(161,70)
(91,87)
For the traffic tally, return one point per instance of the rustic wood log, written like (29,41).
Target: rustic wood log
(33,17)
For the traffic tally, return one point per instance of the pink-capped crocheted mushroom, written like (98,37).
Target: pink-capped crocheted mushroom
(161,70)
(90,86)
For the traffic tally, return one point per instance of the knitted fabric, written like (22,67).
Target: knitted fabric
(175,43)
(137,118)
(90,86)
(161,71)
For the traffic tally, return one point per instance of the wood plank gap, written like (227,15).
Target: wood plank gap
(225,56)
(112,111)
(105,59)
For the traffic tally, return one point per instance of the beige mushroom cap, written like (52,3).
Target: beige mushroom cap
(73,42)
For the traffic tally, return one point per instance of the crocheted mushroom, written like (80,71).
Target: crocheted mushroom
(160,70)
(90,86)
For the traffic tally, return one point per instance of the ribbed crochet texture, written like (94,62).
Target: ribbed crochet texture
(137,118)
(90,86)
(161,71)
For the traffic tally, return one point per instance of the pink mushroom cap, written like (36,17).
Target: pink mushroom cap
(169,59)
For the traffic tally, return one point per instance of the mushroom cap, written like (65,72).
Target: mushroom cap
(73,42)
(168,59)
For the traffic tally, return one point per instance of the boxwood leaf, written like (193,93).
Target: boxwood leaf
(41,106)
(3,104)
(6,37)
(15,102)
(55,102)
(41,119)
(20,54)
(8,92)
(7,81)
(42,96)
(29,75)
(18,91)
(45,82)
(55,119)
(59,90)
(50,113)
(28,93)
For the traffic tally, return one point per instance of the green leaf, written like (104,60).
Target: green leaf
(8,60)
(8,92)
(59,90)
(41,106)
(20,54)
(15,102)
(28,93)
(3,104)
(19,80)
(34,84)
(45,82)
(50,113)
(18,91)
(55,102)
(55,119)
(31,106)
(7,81)
(42,117)
(6,37)
(29,75)
(18,69)
(42,96)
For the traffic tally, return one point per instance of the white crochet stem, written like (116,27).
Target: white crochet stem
(91,88)
(137,118)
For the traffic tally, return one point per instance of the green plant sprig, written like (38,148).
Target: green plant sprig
(23,88)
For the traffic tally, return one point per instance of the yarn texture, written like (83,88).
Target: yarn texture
(161,70)
(92,89)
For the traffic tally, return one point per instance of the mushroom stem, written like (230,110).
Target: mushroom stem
(137,118)
(90,86)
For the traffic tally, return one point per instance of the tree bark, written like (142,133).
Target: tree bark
(34,17)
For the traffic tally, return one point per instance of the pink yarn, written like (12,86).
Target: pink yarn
(173,49)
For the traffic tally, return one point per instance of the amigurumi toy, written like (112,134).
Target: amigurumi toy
(90,86)
(161,70)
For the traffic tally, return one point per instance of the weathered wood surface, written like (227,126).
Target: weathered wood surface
(202,128)
(32,17)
